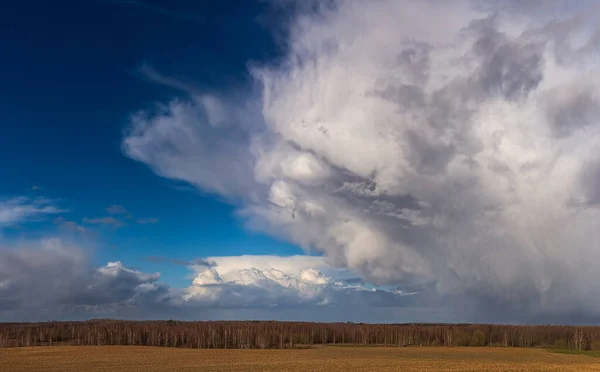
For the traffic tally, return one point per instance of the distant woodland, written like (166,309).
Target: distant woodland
(266,334)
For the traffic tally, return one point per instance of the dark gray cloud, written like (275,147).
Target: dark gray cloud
(572,108)
(41,279)
(510,67)
(590,181)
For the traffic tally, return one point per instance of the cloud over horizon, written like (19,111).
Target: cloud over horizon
(450,154)
(53,278)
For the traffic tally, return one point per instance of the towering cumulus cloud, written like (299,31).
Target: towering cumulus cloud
(444,147)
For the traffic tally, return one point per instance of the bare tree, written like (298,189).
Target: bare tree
(578,340)
(448,341)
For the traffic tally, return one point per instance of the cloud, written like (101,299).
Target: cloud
(459,159)
(116,209)
(147,220)
(149,73)
(195,262)
(195,153)
(22,209)
(109,221)
(69,225)
(51,277)
(263,281)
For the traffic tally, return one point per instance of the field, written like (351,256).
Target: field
(149,359)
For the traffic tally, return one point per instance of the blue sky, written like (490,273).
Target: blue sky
(73,74)
(377,161)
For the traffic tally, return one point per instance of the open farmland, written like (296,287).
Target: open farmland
(148,359)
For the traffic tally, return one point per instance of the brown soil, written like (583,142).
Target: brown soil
(150,359)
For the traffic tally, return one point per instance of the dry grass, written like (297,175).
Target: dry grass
(149,359)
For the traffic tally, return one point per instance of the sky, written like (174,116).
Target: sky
(382,161)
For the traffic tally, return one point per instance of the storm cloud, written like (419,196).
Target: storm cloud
(448,148)
(52,278)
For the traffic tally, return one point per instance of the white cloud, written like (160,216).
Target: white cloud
(239,281)
(117,209)
(23,209)
(291,264)
(425,144)
(116,268)
(110,221)
(195,153)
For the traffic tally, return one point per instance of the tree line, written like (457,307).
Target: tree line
(271,334)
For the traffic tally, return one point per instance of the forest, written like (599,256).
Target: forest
(272,334)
